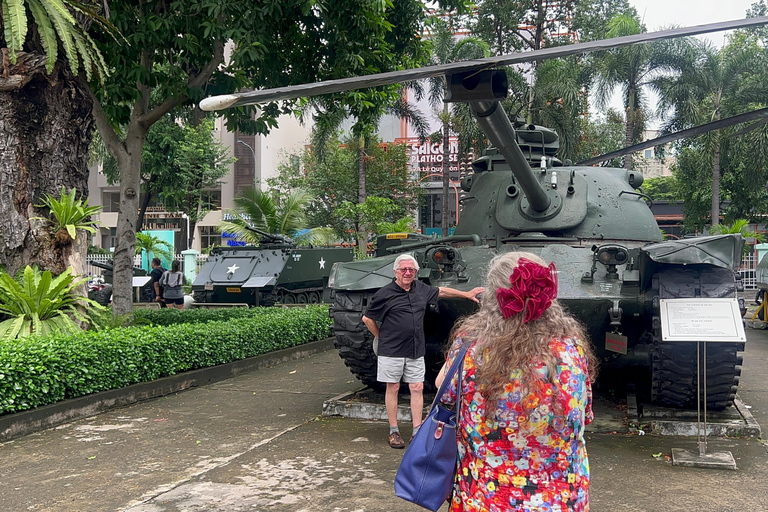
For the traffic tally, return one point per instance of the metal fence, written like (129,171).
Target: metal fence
(93,270)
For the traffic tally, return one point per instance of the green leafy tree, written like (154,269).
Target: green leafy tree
(715,85)
(180,161)
(600,136)
(446,49)
(38,303)
(662,188)
(633,69)
(175,56)
(332,181)
(45,121)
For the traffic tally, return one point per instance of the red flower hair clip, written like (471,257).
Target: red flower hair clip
(534,287)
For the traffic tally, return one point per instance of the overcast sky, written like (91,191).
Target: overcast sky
(658,14)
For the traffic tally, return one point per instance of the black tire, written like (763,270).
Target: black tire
(103,296)
(352,339)
(674,365)
(674,374)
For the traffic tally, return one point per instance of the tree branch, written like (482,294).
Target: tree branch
(107,132)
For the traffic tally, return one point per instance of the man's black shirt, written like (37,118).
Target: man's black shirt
(155,276)
(401,313)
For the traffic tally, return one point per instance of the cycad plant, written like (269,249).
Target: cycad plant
(38,303)
(69,215)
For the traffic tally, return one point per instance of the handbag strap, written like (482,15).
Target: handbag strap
(457,366)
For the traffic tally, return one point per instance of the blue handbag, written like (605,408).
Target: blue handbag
(426,473)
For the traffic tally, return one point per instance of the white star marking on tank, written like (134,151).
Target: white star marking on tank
(322,263)
(231,270)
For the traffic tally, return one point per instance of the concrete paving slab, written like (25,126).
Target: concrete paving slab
(259,442)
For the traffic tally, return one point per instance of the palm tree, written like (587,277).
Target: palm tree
(632,69)
(153,245)
(446,49)
(715,85)
(279,215)
(45,120)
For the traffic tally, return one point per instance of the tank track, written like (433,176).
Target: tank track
(674,374)
(353,341)
(673,365)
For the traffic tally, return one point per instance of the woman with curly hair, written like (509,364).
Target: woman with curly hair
(526,395)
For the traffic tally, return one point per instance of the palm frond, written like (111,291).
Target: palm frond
(15,24)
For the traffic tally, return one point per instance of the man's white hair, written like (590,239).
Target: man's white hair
(404,257)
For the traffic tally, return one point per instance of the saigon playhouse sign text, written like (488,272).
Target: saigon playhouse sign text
(428,157)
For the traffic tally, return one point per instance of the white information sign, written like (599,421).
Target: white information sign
(712,320)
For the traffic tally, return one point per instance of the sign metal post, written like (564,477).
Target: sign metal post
(701,320)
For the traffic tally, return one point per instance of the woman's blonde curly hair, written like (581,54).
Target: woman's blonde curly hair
(507,344)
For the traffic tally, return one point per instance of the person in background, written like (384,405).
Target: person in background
(172,284)
(395,316)
(526,395)
(155,275)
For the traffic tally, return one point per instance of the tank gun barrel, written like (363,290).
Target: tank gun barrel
(99,264)
(497,126)
(274,238)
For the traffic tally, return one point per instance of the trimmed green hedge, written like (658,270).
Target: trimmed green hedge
(170,316)
(39,371)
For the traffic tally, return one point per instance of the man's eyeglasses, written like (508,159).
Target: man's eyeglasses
(407,270)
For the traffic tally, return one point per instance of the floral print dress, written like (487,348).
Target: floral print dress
(541,467)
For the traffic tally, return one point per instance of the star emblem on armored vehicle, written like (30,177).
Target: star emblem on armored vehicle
(322,262)
(231,270)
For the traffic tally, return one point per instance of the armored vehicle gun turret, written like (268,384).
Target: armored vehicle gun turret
(595,224)
(275,271)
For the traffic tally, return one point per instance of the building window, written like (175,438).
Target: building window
(111,202)
(209,236)
(211,199)
(109,241)
(648,153)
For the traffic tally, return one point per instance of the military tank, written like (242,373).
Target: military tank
(277,271)
(595,223)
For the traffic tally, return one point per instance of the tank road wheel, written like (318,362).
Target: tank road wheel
(302,298)
(314,298)
(352,338)
(287,298)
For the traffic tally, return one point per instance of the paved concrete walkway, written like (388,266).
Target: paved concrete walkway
(257,442)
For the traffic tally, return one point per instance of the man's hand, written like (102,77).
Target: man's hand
(158,298)
(474,292)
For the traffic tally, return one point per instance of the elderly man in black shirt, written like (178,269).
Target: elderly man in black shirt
(395,316)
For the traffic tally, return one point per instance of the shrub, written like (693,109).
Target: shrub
(41,370)
(169,316)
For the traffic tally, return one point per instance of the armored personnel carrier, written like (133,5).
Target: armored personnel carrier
(275,271)
(595,223)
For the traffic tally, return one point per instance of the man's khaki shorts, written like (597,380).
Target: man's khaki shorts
(393,369)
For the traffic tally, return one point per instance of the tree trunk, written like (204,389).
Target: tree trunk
(45,132)
(446,172)
(716,185)
(362,232)
(628,136)
(130,183)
